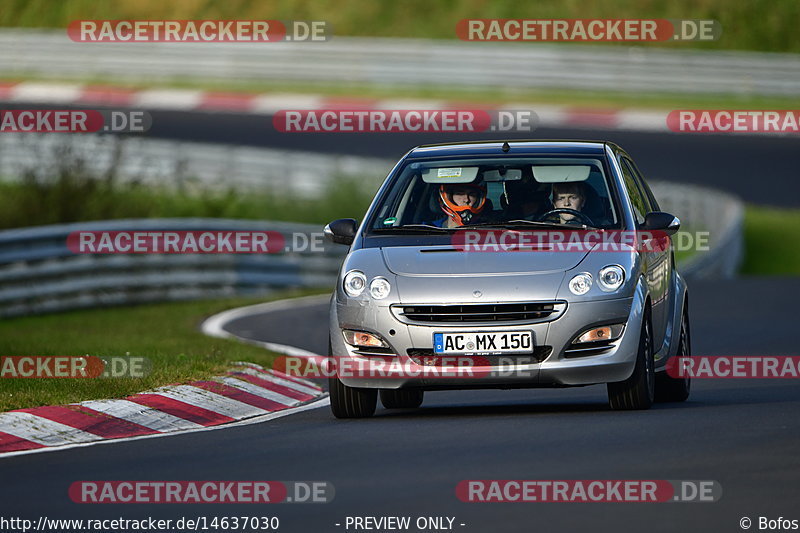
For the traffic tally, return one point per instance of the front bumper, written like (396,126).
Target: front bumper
(556,367)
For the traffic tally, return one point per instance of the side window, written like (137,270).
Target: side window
(640,206)
(644,186)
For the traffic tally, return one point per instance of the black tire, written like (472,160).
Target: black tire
(351,402)
(669,389)
(638,391)
(402,398)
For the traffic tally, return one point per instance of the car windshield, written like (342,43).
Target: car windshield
(453,193)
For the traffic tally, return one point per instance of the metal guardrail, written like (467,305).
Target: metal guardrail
(173,163)
(407,62)
(703,209)
(38,272)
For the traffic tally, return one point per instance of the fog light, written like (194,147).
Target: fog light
(603,333)
(362,338)
(580,284)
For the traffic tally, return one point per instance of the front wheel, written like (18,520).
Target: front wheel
(669,389)
(350,402)
(637,392)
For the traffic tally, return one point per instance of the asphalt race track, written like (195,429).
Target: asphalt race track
(759,169)
(743,434)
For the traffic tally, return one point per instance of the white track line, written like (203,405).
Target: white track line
(141,414)
(280,381)
(209,400)
(277,374)
(41,430)
(259,391)
(168,98)
(214,326)
(46,93)
(272,103)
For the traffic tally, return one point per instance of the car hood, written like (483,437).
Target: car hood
(446,260)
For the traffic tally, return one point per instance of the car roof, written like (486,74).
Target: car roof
(515,147)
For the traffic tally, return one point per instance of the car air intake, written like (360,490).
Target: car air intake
(480,313)
(429,358)
(588,349)
(373,351)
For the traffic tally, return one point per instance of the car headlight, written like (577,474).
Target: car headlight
(354,283)
(379,288)
(580,283)
(611,277)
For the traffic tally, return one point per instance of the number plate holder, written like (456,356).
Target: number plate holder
(484,342)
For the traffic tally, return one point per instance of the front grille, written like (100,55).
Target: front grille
(480,313)
(429,358)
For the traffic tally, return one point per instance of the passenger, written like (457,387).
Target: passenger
(461,204)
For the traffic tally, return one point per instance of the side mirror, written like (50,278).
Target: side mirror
(341,231)
(660,221)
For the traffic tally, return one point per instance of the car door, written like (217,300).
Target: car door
(657,257)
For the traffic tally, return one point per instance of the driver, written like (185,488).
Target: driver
(570,195)
(461,203)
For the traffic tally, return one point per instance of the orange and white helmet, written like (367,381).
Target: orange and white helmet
(461,214)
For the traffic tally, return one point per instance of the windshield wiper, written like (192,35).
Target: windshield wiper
(414,228)
(514,224)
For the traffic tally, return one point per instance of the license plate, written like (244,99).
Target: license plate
(483,343)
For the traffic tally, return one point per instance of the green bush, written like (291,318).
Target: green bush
(73,195)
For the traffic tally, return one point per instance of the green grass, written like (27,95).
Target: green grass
(75,197)
(167,334)
(771,238)
(768,25)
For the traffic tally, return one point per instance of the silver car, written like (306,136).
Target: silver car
(508,265)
